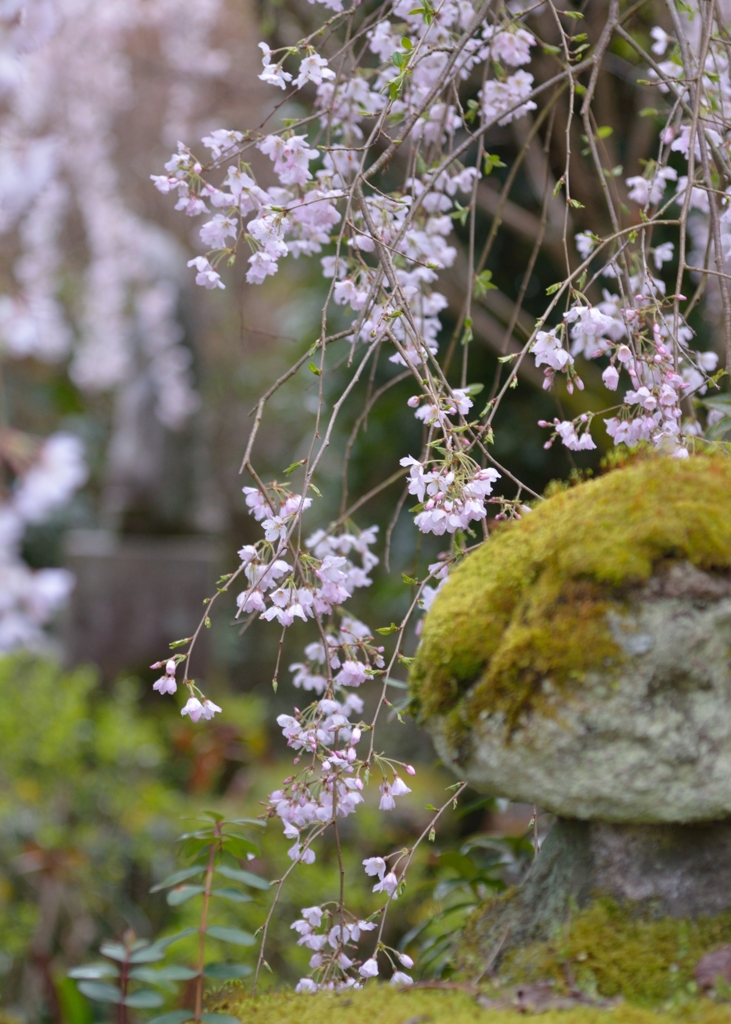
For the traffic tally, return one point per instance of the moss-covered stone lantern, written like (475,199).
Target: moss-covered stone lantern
(580,660)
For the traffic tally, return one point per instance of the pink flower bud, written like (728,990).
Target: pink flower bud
(410,769)
(611,378)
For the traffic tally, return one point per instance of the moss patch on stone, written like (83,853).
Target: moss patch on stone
(611,952)
(382,1004)
(530,605)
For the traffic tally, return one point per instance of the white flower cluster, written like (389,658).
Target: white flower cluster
(298,216)
(334,943)
(30,598)
(330,578)
(65,77)
(636,338)
(351,659)
(452,495)
(639,329)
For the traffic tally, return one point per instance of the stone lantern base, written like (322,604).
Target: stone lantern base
(649,871)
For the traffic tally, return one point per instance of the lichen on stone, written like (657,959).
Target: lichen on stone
(530,609)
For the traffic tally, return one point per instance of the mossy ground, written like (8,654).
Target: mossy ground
(612,952)
(530,604)
(381,1004)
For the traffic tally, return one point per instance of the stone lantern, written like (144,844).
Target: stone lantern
(580,660)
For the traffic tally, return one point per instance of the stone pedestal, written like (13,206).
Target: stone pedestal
(653,871)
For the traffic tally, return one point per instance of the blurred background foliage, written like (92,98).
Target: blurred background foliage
(97,783)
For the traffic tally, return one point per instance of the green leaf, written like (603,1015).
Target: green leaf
(147,955)
(180,643)
(178,877)
(144,999)
(460,213)
(233,935)
(226,971)
(720,402)
(192,847)
(114,950)
(474,389)
(387,630)
(219,1018)
(314,369)
(426,11)
(571,14)
(717,431)
(100,991)
(209,815)
(410,580)
(200,833)
(458,862)
(406,43)
(239,847)
(173,972)
(492,161)
(483,283)
(229,893)
(604,131)
(90,972)
(176,1017)
(164,943)
(472,110)
(552,288)
(183,893)
(576,204)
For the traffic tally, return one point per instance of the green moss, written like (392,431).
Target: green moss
(611,952)
(381,1004)
(530,604)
